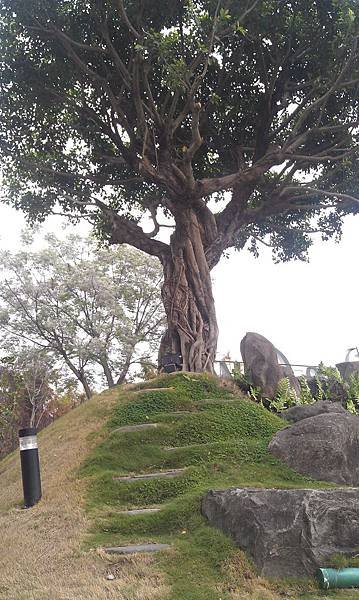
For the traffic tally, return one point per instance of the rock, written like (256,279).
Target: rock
(156,475)
(348,368)
(136,548)
(304,411)
(325,447)
(261,365)
(287,533)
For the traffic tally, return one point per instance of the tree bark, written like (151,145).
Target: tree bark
(192,329)
(122,376)
(107,372)
(85,384)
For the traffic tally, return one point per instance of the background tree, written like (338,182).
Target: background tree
(111,110)
(33,392)
(89,308)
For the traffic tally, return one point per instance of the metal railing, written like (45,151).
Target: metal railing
(225,368)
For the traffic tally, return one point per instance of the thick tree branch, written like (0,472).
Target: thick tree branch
(313,191)
(124,231)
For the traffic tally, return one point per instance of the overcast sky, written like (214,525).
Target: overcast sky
(308,310)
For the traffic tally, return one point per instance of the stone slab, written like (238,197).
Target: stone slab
(172,473)
(140,427)
(139,511)
(136,548)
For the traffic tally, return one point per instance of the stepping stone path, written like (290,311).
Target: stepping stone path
(135,549)
(146,548)
(172,473)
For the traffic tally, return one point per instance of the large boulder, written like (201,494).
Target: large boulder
(346,369)
(260,358)
(325,447)
(305,411)
(287,533)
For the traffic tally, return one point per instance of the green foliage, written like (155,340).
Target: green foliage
(285,396)
(353,387)
(327,377)
(96,310)
(329,372)
(343,561)
(152,71)
(305,393)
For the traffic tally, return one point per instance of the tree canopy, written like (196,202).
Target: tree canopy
(95,311)
(237,119)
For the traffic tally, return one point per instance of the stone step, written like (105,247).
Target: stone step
(160,389)
(136,548)
(219,401)
(172,448)
(176,413)
(140,427)
(172,473)
(139,511)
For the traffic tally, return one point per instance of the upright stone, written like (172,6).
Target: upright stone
(261,364)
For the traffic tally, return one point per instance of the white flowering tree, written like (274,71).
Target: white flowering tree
(98,311)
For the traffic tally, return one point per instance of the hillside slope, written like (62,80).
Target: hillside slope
(204,436)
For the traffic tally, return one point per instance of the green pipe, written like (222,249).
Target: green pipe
(338,578)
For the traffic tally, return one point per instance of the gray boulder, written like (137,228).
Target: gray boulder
(348,368)
(287,533)
(305,411)
(261,364)
(325,447)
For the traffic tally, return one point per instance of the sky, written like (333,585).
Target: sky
(308,310)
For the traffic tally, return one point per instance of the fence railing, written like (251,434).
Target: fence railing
(225,368)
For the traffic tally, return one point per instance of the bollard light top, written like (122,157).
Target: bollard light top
(27,431)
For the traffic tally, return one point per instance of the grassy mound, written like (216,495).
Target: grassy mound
(220,440)
(217,437)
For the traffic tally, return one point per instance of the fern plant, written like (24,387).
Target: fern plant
(329,372)
(305,393)
(285,396)
(353,393)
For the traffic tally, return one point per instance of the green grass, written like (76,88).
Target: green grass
(219,445)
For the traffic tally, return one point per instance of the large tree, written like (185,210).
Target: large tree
(236,119)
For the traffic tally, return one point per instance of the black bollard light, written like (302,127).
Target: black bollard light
(30,466)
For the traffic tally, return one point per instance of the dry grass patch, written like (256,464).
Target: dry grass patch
(41,556)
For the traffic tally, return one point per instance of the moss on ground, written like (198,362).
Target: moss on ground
(219,444)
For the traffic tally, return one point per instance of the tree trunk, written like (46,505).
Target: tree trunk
(187,295)
(85,384)
(107,372)
(122,376)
